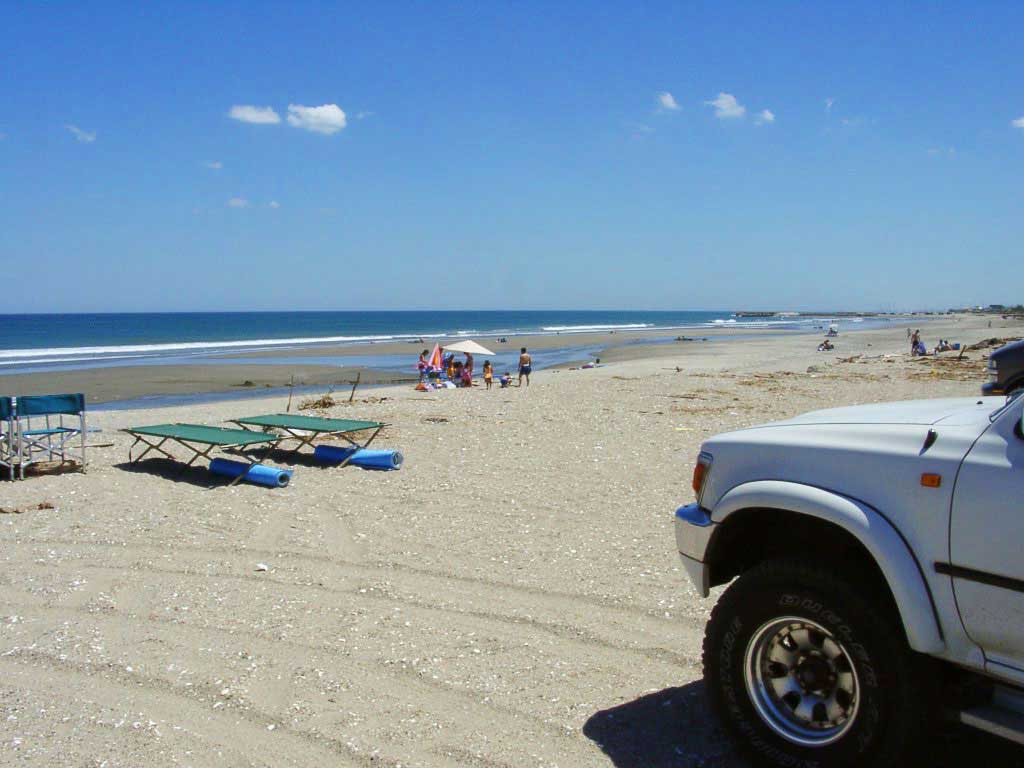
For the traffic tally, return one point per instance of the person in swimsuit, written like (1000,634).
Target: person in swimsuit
(423,365)
(488,373)
(525,366)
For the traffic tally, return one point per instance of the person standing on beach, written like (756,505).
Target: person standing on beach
(423,365)
(525,366)
(488,373)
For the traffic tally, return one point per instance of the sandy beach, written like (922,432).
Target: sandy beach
(511,597)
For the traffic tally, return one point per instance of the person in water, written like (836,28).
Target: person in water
(525,366)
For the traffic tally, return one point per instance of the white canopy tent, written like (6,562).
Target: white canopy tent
(470,347)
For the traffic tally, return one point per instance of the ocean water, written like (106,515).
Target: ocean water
(61,341)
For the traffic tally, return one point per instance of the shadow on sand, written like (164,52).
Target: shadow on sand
(675,728)
(199,474)
(175,471)
(667,729)
(44,468)
(285,458)
(281,457)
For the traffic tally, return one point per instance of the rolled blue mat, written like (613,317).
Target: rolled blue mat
(377,459)
(259,474)
(360,457)
(332,454)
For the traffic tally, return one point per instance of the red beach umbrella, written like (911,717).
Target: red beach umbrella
(435,361)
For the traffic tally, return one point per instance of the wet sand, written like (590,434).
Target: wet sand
(514,343)
(102,385)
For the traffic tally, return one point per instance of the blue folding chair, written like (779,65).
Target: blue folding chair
(8,443)
(52,439)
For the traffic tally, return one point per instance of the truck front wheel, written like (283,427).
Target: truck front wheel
(805,669)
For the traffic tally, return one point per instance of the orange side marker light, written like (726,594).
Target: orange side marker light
(698,476)
(931,480)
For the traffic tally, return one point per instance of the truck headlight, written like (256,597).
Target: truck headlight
(701,470)
(993,372)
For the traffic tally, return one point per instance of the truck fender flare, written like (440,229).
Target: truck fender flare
(899,567)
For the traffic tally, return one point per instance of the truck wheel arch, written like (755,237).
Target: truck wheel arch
(883,544)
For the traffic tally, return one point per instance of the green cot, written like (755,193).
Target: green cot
(306,429)
(189,436)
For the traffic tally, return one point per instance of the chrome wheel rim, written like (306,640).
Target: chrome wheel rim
(802,681)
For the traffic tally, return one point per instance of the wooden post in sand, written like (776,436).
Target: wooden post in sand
(291,386)
(355,384)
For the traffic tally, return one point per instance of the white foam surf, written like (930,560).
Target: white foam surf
(191,346)
(589,328)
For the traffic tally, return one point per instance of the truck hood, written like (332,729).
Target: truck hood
(953,411)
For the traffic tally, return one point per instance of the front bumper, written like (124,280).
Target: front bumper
(694,528)
(992,388)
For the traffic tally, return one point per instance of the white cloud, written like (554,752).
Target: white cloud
(246,113)
(326,119)
(667,101)
(238,202)
(828,104)
(1018,123)
(363,115)
(215,165)
(82,136)
(726,106)
(947,151)
(765,116)
(273,204)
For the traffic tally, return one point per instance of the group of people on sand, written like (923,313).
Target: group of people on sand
(917,347)
(460,372)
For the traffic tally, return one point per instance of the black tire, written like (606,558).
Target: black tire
(892,703)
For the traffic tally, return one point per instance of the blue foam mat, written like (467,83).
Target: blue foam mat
(272,477)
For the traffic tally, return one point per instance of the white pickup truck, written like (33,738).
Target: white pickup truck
(879,552)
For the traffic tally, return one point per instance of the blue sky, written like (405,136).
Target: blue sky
(511,155)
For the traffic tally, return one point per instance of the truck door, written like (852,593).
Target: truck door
(987,541)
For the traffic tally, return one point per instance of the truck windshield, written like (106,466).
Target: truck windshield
(1010,400)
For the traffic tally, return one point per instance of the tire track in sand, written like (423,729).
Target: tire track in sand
(615,627)
(376,683)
